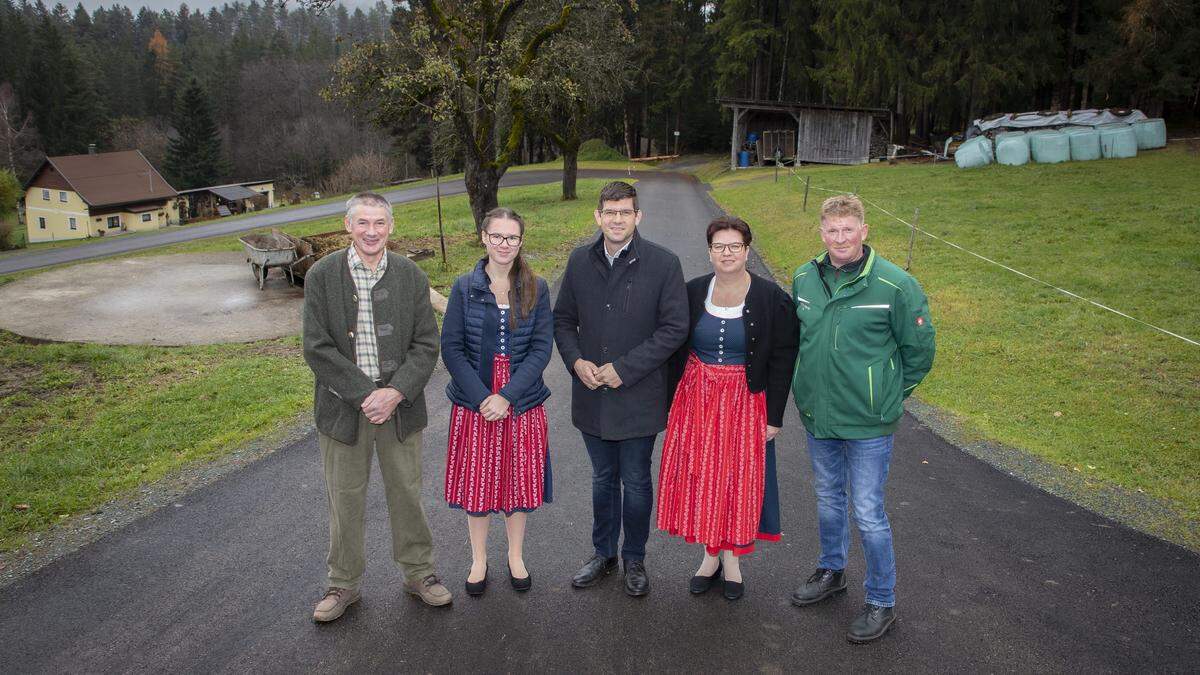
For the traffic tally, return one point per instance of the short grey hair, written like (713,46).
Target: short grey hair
(368,199)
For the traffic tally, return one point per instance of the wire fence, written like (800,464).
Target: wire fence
(913,228)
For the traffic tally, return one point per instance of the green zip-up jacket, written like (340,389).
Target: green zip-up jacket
(864,346)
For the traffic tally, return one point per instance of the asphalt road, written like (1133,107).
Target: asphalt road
(994,575)
(18,262)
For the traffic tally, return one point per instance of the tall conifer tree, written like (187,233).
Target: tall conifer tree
(194,156)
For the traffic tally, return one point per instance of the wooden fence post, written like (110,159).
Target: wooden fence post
(912,236)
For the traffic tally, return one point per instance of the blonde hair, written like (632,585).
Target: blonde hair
(839,206)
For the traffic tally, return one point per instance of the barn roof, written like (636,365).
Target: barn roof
(789,106)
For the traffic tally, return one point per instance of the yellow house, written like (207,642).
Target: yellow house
(97,195)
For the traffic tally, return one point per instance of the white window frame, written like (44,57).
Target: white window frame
(45,195)
(72,223)
(62,196)
(41,222)
(146,217)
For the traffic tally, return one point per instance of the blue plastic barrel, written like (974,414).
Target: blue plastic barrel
(1085,143)
(1050,147)
(744,158)
(1117,141)
(1151,133)
(1012,148)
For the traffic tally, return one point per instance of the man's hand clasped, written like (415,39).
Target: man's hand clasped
(594,376)
(380,404)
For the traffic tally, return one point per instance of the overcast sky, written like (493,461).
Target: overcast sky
(203,5)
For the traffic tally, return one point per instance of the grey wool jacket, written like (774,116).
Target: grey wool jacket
(405,330)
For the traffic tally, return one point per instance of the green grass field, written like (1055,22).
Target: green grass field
(82,424)
(1018,362)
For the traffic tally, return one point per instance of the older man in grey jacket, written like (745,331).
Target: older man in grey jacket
(371,340)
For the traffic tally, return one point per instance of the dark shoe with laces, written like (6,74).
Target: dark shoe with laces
(476,588)
(430,590)
(593,570)
(701,584)
(520,585)
(637,583)
(871,623)
(822,584)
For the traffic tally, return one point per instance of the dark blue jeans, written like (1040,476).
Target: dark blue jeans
(860,468)
(616,465)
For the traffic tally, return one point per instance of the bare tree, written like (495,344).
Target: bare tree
(148,135)
(18,137)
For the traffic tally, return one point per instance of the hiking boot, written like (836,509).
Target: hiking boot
(822,584)
(871,623)
(334,603)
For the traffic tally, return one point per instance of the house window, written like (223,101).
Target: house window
(41,223)
(146,217)
(72,223)
(114,222)
(45,195)
(62,196)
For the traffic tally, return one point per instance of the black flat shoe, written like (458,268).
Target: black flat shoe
(520,585)
(734,590)
(700,585)
(593,570)
(476,588)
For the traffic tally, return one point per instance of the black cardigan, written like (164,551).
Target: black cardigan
(772,336)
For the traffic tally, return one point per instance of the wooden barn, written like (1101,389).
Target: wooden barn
(805,132)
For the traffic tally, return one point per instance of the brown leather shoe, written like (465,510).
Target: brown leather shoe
(334,603)
(430,590)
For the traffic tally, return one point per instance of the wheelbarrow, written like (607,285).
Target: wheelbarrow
(264,251)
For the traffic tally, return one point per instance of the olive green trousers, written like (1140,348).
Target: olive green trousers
(347,473)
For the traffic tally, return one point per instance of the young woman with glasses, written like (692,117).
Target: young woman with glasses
(496,341)
(717,484)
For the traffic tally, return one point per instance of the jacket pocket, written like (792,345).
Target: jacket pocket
(890,396)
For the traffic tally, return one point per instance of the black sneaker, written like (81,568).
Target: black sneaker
(637,583)
(593,570)
(822,584)
(871,624)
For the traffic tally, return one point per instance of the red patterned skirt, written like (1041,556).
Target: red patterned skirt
(710,486)
(497,466)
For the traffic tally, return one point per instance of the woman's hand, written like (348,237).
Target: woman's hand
(494,408)
(772,432)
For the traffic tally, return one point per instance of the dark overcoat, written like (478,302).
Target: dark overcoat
(633,315)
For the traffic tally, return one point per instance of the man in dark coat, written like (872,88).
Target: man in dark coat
(621,312)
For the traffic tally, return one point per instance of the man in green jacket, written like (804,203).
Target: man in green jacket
(372,342)
(866,341)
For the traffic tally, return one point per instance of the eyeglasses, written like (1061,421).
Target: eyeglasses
(732,248)
(618,213)
(513,240)
(843,233)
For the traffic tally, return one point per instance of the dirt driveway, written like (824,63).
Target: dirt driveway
(182,299)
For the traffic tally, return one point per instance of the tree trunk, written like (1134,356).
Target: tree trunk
(570,157)
(483,182)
